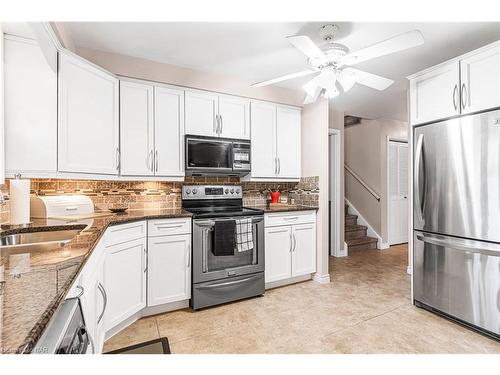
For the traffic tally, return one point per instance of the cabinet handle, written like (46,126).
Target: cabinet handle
(146,258)
(463,94)
(188,256)
(290,250)
(455,92)
(279,165)
(81,289)
(156,161)
(275,165)
(117,159)
(105,301)
(216,123)
(221,125)
(294,243)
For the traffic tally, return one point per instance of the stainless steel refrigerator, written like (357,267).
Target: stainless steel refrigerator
(456,216)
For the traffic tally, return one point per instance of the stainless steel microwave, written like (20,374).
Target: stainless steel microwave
(217,156)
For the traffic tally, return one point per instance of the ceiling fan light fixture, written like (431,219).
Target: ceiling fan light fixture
(347,79)
(331,93)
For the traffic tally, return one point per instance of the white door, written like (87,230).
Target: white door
(436,94)
(234,115)
(398,192)
(288,135)
(263,136)
(201,113)
(278,255)
(169,132)
(303,249)
(30,109)
(136,129)
(480,81)
(169,269)
(125,280)
(88,118)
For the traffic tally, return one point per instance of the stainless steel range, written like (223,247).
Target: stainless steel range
(228,245)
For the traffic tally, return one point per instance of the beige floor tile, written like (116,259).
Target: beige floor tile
(140,331)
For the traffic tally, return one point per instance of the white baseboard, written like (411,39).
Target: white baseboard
(321,279)
(293,280)
(342,253)
(370,231)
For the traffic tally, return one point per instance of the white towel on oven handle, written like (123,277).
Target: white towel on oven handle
(244,234)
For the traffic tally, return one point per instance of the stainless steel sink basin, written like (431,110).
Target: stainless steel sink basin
(38,240)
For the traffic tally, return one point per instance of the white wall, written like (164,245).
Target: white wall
(176,75)
(2,153)
(315,163)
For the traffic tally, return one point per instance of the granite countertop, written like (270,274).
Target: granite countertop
(288,208)
(34,282)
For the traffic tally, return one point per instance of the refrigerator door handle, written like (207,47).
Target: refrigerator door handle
(487,249)
(418,158)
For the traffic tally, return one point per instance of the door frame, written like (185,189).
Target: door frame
(390,139)
(336,248)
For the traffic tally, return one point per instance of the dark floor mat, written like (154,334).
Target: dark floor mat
(156,346)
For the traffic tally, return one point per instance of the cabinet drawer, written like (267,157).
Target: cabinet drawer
(165,227)
(289,218)
(117,234)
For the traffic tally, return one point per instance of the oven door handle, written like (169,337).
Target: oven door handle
(228,283)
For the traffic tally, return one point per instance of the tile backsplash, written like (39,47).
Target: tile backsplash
(156,194)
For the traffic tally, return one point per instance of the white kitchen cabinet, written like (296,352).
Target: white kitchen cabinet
(290,243)
(94,297)
(30,109)
(201,113)
(288,136)
(125,280)
(263,120)
(276,141)
(278,255)
(169,269)
(169,131)
(136,129)
(303,249)
(214,115)
(480,80)
(234,117)
(88,115)
(435,94)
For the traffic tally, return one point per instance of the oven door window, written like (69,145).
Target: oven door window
(208,154)
(219,249)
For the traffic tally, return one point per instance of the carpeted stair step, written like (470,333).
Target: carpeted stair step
(355,231)
(351,219)
(364,243)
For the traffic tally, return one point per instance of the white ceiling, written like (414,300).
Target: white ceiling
(259,51)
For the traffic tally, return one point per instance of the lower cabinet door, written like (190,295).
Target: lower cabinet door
(278,245)
(303,249)
(169,269)
(125,281)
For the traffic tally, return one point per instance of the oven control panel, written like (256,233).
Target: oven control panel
(212,192)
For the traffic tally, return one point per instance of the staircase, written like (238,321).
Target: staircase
(355,235)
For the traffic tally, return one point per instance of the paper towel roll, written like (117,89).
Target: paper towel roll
(19,201)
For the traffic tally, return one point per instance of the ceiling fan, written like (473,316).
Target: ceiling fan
(331,63)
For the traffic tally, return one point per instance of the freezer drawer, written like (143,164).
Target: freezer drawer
(457,177)
(458,277)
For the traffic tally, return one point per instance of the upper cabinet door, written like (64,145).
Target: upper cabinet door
(136,129)
(480,80)
(30,108)
(263,120)
(88,118)
(201,113)
(169,132)
(288,135)
(234,117)
(435,95)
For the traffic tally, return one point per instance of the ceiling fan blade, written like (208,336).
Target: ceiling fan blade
(395,44)
(305,45)
(284,78)
(371,80)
